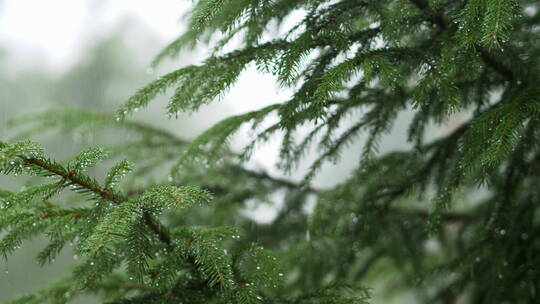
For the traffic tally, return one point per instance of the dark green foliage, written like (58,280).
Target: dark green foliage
(453,218)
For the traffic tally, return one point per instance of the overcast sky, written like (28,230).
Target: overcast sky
(58,29)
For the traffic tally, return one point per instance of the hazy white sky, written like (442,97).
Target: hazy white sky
(58,28)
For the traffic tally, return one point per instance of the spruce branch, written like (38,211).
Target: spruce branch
(106,194)
(442,23)
(75,178)
(355,68)
(303,187)
(173,139)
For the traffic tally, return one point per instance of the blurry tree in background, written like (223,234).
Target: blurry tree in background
(167,223)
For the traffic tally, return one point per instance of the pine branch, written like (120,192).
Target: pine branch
(102,192)
(74,178)
(422,213)
(496,65)
(355,67)
(262,175)
(442,23)
(157,228)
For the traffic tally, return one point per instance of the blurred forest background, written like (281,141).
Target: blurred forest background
(94,54)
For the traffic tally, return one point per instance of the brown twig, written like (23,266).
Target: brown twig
(102,192)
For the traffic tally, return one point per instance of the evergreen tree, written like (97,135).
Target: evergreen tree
(453,219)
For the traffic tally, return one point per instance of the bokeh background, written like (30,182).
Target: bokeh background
(94,54)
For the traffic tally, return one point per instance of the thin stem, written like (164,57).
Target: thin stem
(46,214)
(74,178)
(157,228)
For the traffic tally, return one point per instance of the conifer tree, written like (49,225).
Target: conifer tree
(451,219)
